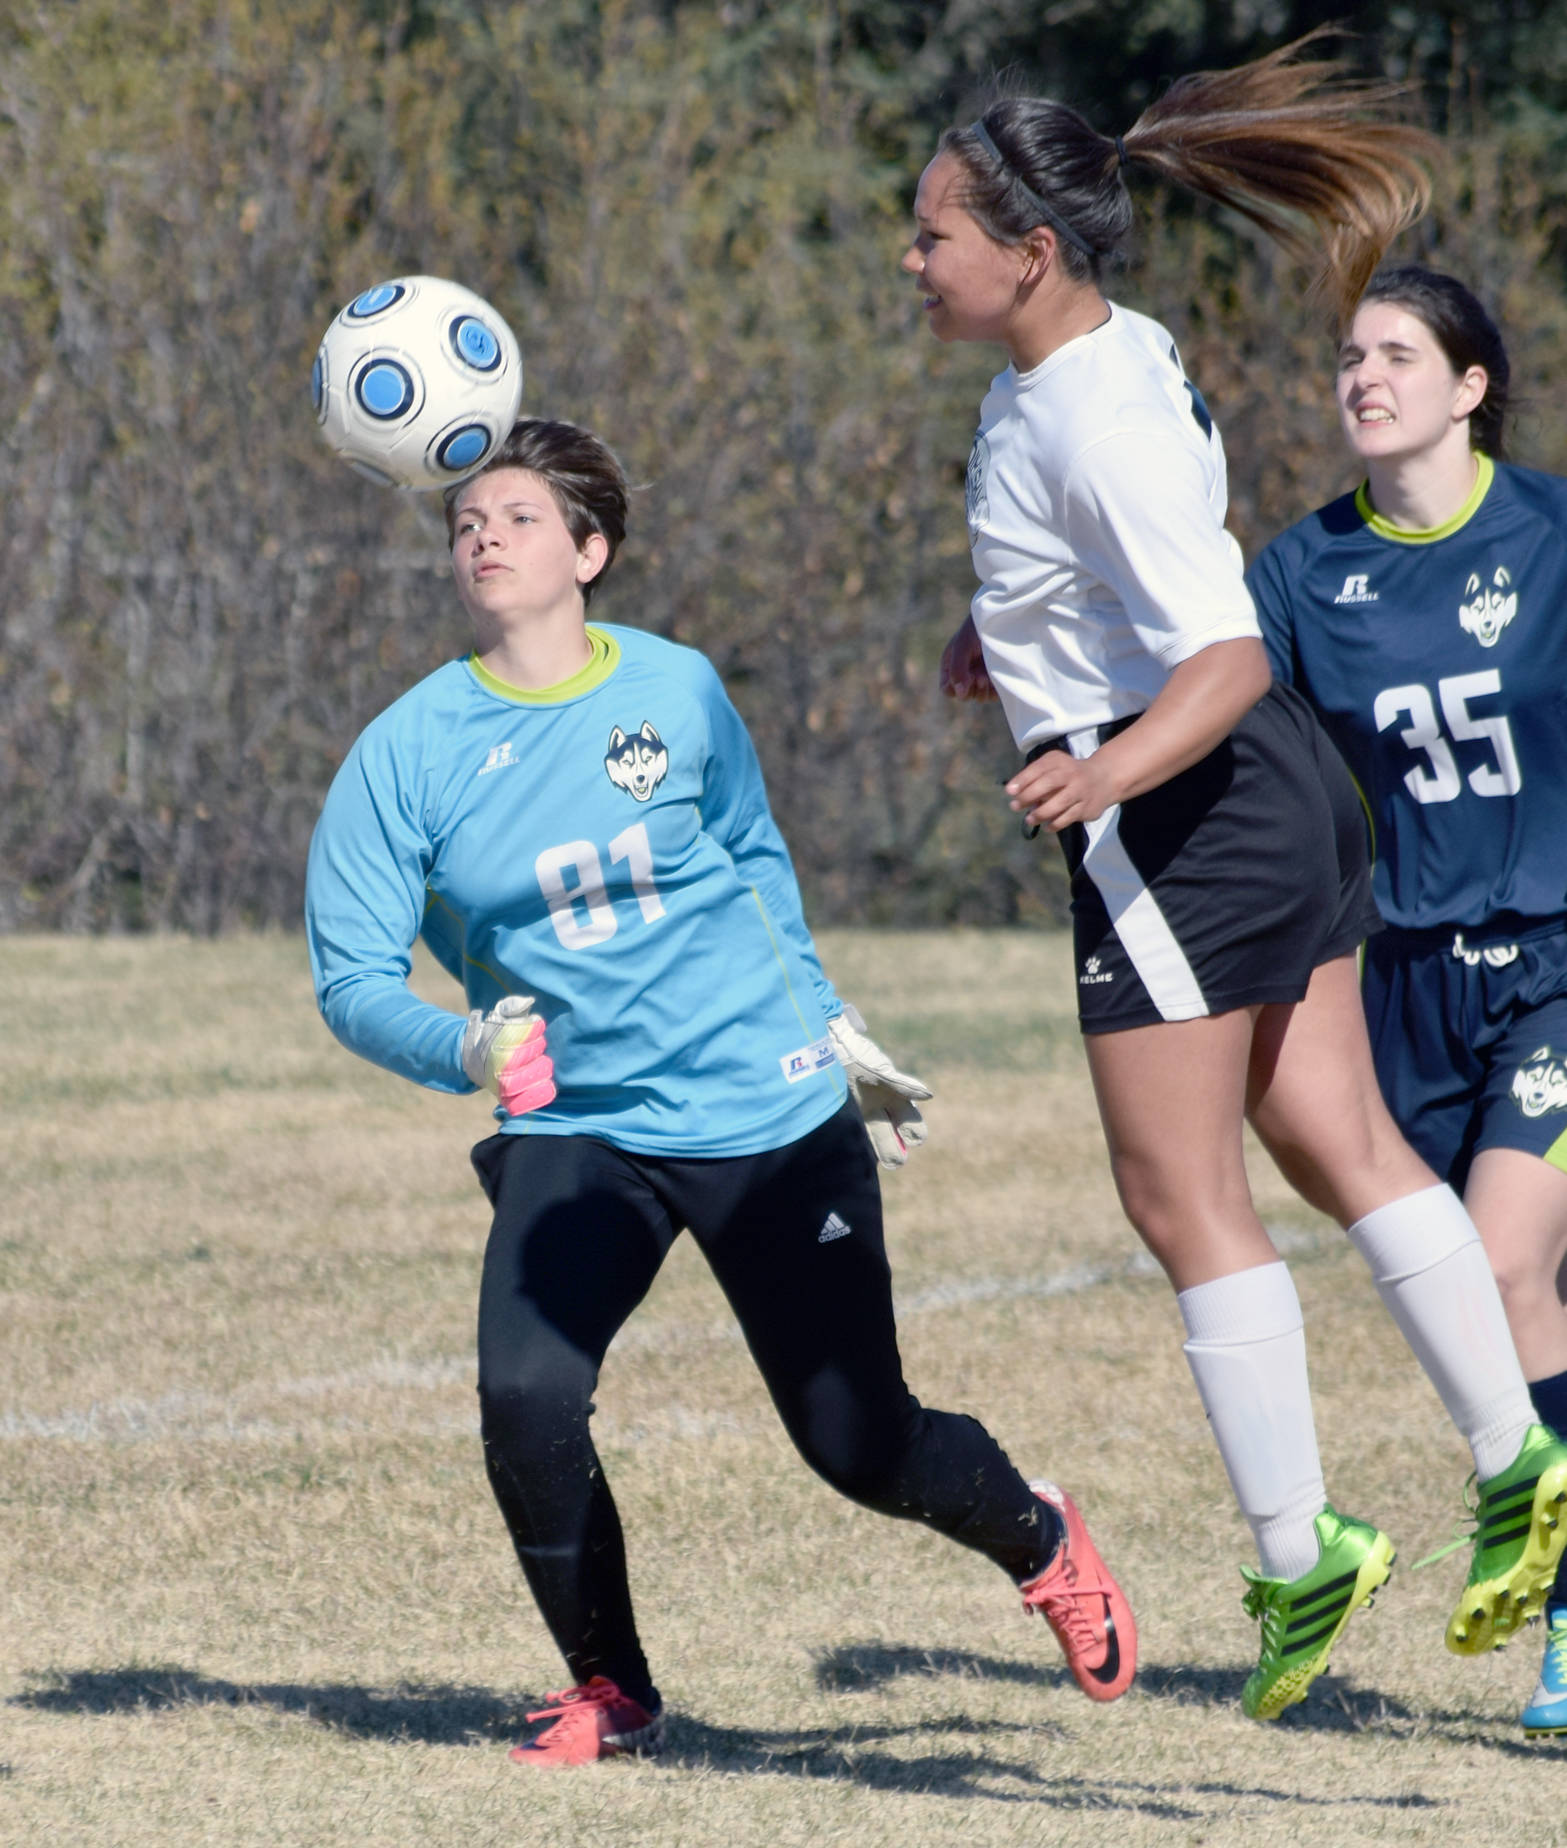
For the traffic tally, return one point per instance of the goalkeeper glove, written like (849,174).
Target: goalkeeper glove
(503,1051)
(884,1094)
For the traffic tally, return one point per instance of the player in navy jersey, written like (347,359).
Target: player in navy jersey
(575,819)
(1217,855)
(1425,618)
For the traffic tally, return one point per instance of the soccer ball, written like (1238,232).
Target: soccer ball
(417,382)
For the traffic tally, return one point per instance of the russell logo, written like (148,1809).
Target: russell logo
(808,1061)
(1357,590)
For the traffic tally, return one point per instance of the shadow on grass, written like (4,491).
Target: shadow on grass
(853,1754)
(850,1753)
(861,1666)
(1332,1706)
(870,1754)
(1335,1705)
(436,1715)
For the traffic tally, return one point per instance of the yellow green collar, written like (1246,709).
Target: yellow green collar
(1485,473)
(601,663)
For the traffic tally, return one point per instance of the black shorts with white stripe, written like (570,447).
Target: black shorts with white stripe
(1225,886)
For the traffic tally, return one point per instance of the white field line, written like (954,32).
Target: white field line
(238,1417)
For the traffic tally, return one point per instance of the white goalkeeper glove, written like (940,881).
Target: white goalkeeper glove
(884,1094)
(503,1051)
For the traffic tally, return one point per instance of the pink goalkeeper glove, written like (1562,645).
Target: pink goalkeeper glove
(504,1052)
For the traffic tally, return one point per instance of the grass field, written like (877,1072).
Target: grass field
(255,1590)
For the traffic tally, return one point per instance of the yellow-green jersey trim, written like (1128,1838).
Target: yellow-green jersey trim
(1556,1154)
(603,659)
(1485,473)
(434,901)
(840,1084)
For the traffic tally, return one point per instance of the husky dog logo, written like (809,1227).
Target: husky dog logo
(638,763)
(1489,610)
(1540,1084)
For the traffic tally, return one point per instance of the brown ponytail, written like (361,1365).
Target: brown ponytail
(1283,139)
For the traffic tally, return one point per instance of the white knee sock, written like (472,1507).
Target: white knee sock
(1246,1348)
(1435,1281)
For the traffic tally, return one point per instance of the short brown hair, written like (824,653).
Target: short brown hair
(582,473)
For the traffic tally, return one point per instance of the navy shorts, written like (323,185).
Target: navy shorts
(1469,1034)
(1225,886)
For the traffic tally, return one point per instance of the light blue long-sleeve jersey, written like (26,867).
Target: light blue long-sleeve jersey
(605,846)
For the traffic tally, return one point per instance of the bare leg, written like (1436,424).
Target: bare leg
(1172,1100)
(1312,1096)
(1519,1203)
(1314,1100)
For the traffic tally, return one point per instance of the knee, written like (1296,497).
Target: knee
(521,1409)
(1181,1219)
(861,1458)
(1522,1278)
(1347,1167)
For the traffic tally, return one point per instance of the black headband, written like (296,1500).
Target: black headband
(1051,217)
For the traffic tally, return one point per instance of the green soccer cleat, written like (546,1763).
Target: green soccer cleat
(1303,1618)
(1519,1536)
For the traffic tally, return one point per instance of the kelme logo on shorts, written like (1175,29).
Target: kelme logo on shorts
(1093,974)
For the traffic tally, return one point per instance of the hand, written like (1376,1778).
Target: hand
(1057,789)
(884,1094)
(963,671)
(503,1052)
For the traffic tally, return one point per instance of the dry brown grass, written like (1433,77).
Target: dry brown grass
(255,1591)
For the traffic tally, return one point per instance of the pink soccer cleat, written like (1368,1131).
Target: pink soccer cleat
(591,1722)
(1084,1606)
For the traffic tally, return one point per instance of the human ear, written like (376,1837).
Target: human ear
(1036,253)
(591,557)
(1472,388)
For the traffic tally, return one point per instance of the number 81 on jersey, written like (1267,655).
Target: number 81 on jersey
(571,877)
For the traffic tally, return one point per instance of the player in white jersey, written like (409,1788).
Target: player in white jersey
(575,819)
(1218,861)
(1422,617)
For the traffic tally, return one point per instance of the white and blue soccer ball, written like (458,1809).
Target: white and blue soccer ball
(417,382)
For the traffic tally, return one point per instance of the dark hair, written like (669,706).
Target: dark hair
(1464,332)
(1277,140)
(582,473)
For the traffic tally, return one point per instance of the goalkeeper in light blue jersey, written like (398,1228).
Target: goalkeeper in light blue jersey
(574,819)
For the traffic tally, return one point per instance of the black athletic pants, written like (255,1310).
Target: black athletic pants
(794,1237)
